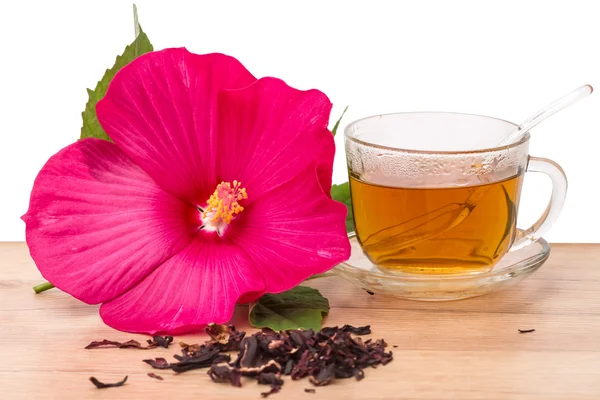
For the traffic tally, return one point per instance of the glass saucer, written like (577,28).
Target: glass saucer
(512,268)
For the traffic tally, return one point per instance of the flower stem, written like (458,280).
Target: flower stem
(42,287)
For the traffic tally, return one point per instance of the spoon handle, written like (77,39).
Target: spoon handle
(550,109)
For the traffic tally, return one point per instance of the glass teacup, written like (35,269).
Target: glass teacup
(432,194)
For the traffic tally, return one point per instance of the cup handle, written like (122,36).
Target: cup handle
(557,200)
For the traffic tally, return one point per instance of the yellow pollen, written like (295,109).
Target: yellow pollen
(224,202)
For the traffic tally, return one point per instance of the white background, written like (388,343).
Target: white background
(503,58)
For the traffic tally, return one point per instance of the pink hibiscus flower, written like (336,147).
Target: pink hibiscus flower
(214,191)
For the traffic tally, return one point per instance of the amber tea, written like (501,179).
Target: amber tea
(391,222)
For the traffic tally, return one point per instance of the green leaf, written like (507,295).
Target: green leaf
(301,307)
(337,124)
(341,193)
(141,45)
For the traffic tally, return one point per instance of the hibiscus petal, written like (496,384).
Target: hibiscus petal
(325,165)
(293,232)
(269,132)
(97,223)
(160,110)
(199,285)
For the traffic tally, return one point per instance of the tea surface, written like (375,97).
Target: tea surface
(390,221)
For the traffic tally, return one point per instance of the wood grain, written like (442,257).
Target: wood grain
(468,349)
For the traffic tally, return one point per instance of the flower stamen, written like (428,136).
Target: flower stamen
(224,204)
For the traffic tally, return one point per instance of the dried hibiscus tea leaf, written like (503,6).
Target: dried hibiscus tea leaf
(357,330)
(219,333)
(221,358)
(343,372)
(275,344)
(103,344)
(310,391)
(235,338)
(223,372)
(158,363)
(359,374)
(329,331)
(130,344)
(153,375)
(197,350)
(297,338)
(203,358)
(301,369)
(101,385)
(288,367)
(526,330)
(269,366)
(160,341)
(324,376)
(225,336)
(274,389)
(134,344)
(249,356)
(323,356)
(192,348)
(270,378)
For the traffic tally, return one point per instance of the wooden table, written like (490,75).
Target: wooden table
(467,349)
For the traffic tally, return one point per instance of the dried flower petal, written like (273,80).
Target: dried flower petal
(249,356)
(270,366)
(274,389)
(104,343)
(329,354)
(270,378)
(360,330)
(288,367)
(153,375)
(130,344)
(160,341)
(323,376)
(225,336)
(225,373)
(101,385)
(200,359)
(218,333)
(526,330)
(158,363)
